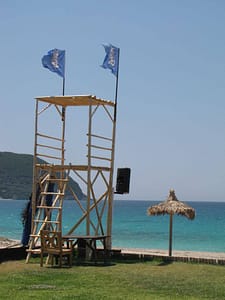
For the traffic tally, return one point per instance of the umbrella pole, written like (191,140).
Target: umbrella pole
(171,232)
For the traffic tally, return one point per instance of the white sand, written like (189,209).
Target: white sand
(8,243)
(175,253)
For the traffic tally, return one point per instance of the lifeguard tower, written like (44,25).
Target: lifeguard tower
(52,172)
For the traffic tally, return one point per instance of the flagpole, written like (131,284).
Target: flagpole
(63,124)
(63,92)
(111,193)
(64,74)
(63,89)
(117,82)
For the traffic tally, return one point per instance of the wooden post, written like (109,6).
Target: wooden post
(63,136)
(89,171)
(111,190)
(170,233)
(62,175)
(35,179)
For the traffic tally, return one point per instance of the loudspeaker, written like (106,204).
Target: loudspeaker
(123,181)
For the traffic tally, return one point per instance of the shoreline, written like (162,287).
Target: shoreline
(6,243)
(175,253)
(203,234)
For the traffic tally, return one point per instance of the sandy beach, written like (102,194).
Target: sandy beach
(209,257)
(8,243)
(175,253)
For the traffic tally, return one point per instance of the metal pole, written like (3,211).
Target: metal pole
(63,86)
(117,83)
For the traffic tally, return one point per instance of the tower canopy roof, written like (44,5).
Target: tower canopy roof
(78,100)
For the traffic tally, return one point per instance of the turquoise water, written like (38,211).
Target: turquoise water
(133,228)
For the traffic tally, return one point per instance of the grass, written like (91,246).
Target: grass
(119,280)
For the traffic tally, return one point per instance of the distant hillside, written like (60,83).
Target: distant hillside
(16,177)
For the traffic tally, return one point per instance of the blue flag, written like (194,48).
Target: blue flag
(55,61)
(111,60)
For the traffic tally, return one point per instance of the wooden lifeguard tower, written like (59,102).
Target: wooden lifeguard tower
(52,171)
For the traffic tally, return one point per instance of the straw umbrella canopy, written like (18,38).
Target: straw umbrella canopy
(172,206)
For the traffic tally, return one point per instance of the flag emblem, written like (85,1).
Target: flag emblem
(111,60)
(55,61)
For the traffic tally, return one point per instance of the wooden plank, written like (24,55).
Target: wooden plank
(48,137)
(100,137)
(101,158)
(49,156)
(48,147)
(100,147)
(71,167)
(49,207)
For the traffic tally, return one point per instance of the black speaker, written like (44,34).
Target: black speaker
(123,181)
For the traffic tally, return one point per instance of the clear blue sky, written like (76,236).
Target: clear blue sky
(171,100)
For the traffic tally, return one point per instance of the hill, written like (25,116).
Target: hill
(16,176)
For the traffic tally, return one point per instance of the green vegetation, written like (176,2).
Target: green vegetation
(119,280)
(16,176)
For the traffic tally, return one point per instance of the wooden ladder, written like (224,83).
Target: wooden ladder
(48,208)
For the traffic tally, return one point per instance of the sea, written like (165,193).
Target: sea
(133,228)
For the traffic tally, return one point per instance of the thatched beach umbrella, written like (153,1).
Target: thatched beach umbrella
(172,206)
